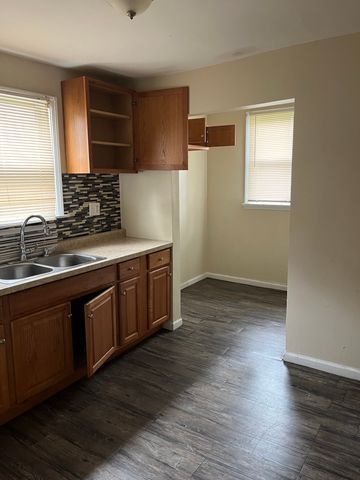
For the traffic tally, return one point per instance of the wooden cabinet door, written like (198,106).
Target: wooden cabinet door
(159,286)
(42,350)
(220,136)
(131,298)
(100,329)
(4,379)
(161,129)
(197,131)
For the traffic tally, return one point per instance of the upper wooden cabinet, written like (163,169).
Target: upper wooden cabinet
(197,131)
(4,379)
(161,134)
(98,123)
(112,129)
(202,137)
(220,136)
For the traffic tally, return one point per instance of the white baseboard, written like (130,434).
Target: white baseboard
(193,280)
(173,324)
(323,365)
(230,278)
(247,281)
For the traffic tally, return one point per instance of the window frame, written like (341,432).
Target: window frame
(261,205)
(54,129)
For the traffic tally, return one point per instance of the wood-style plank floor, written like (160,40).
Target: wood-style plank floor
(212,400)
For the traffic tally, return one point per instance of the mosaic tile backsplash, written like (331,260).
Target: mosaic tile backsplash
(78,191)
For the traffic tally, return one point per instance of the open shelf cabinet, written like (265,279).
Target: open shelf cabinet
(110,129)
(98,120)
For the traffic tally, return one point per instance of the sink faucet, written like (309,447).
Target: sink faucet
(22,235)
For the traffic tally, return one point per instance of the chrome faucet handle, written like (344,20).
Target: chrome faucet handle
(48,250)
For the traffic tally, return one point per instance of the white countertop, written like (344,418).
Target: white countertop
(114,246)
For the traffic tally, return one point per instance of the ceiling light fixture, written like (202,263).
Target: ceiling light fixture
(131,7)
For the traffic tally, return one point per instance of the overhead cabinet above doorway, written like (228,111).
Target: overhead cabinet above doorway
(202,137)
(111,129)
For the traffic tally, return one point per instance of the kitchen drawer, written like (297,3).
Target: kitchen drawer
(60,291)
(159,259)
(129,269)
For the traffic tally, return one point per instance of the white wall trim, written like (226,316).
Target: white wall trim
(230,278)
(266,206)
(173,324)
(193,280)
(247,281)
(323,365)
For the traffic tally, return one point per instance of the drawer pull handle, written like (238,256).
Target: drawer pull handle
(131,269)
(2,341)
(161,259)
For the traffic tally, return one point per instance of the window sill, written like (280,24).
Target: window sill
(18,224)
(266,206)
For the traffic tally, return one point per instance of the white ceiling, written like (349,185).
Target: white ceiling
(172,36)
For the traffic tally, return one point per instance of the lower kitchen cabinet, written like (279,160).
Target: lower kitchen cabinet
(130,310)
(101,329)
(159,288)
(42,350)
(62,331)
(4,379)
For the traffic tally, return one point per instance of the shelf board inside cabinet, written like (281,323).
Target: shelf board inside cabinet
(107,158)
(115,116)
(113,170)
(194,148)
(110,144)
(109,99)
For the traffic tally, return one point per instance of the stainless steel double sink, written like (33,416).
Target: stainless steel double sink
(44,265)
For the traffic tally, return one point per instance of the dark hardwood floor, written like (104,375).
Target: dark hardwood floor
(212,400)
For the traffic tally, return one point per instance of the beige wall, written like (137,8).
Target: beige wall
(24,74)
(324,299)
(242,242)
(324,262)
(193,217)
(146,208)
(150,209)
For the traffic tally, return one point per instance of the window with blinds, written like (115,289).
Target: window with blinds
(269,146)
(30,176)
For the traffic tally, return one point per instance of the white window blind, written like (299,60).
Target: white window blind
(269,145)
(30,180)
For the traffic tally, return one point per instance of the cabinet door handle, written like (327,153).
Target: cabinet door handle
(70,316)
(170,275)
(123,293)
(2,341)
(91,316)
